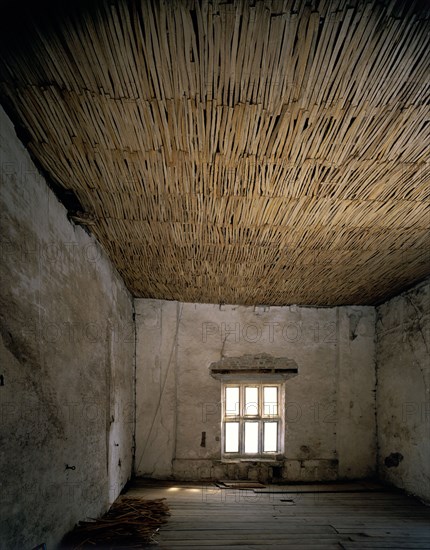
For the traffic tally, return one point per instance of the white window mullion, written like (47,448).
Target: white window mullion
(242,436)
(260,434)
(241,419)
(260,423)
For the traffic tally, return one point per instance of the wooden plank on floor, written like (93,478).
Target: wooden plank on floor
(246,546)
(348,518)
(394,544)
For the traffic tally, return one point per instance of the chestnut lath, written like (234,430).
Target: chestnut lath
(240,152)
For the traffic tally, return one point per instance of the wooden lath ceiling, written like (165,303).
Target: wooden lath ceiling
(253,153)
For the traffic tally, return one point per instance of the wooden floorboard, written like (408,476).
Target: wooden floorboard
(349,516)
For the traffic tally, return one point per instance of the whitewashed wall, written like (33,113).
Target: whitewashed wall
(330,404)
(67,362)
(403,390)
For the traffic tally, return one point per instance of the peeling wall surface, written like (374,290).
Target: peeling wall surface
(329,405)
(66,363)
(403,390)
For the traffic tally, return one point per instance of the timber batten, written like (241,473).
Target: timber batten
(273,153)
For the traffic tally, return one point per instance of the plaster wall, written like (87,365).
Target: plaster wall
(66,363)
(403,390)
(329,405)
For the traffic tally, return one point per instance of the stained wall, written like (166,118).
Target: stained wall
(403,390)
(329,406)
(66,363)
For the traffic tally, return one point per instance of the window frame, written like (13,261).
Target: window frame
(260,417)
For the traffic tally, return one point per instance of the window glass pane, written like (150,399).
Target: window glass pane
(232,437)
(232,401)
(251,401)
(270,440)
(251,437)
(270,399)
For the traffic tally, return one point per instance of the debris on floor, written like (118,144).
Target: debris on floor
(240,485)
(129,523)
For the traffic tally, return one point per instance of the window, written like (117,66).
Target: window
(252,420)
